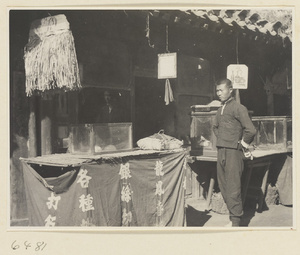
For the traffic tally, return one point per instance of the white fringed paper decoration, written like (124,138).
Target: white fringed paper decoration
(50,56)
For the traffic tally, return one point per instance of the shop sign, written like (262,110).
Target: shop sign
(167,65)
(238,74)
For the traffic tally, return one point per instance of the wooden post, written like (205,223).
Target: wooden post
(210,191)
(46,125)
(132,101)
(32,129)
(270,103)
(237,96)
(270,96)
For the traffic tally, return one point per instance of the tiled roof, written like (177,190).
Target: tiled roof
(269,23)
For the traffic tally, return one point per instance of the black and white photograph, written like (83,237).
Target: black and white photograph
(142,118)
(164,119)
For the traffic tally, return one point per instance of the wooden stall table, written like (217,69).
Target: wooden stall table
(134,188)
(261,161)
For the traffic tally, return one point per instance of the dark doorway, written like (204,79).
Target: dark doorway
(150,109)
(282,105)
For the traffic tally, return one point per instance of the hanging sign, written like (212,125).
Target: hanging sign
(238,74)
(167,65)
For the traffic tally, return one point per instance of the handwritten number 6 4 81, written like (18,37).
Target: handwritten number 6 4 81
(39,245)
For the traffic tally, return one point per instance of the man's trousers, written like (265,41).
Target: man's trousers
(230,166)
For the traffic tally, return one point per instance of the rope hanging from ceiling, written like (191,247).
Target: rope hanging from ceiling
(148,31)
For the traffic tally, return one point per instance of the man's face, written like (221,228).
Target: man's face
(107,97)
(223,92)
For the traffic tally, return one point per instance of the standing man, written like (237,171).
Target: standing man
(234,131)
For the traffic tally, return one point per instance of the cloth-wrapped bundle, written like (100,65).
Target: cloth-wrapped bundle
(159,141)
(50,56)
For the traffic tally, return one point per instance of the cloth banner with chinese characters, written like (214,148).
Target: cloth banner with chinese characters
(139,191)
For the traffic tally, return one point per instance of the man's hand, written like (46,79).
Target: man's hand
(247,153)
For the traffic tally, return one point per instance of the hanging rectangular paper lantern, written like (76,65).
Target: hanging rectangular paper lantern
(167,65)
(238,74)
(50,56)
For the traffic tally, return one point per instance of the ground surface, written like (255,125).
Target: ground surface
(271,216)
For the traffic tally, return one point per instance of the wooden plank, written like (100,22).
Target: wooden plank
(67,159)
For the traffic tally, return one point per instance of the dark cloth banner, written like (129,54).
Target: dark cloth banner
(140,191)
(285,182)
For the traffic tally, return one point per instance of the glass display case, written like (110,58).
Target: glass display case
(273,133)
(203,139)
(100,138)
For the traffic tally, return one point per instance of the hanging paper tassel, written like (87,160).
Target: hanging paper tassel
(168,92)
(50,56)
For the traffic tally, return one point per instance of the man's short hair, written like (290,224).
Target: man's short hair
(224,81)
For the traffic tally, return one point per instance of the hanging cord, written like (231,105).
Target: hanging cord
(237,92)
(168,89)
(167,39)
(287,77)
(237,49)
(148,32)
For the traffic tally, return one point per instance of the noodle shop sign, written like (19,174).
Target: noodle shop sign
(238,74)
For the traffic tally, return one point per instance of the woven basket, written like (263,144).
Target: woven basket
(272,196)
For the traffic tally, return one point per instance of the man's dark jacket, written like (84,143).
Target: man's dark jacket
(233,124)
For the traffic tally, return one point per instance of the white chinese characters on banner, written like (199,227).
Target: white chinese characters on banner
(87,223)
(184,163)
(86,203)
(125,171)
(126,217)
(50,221)
(159,189)
(159,209)
(126,193)
(184,183)
(159,168)
(53,201)
(84,178)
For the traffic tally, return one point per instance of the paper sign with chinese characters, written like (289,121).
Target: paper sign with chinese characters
(238,74)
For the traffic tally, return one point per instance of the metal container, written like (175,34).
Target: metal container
(100,138)
(273,133)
